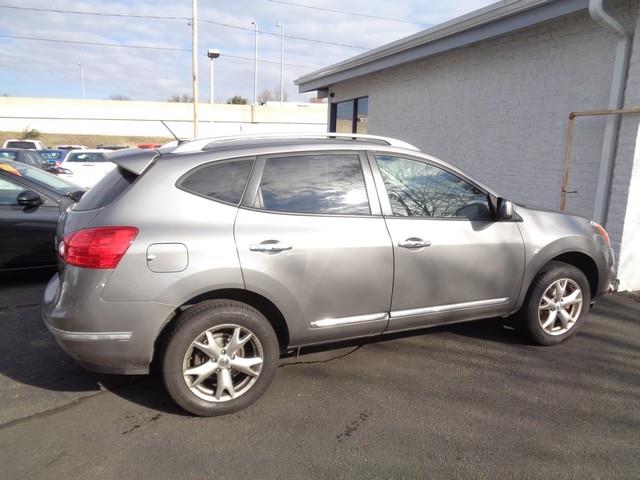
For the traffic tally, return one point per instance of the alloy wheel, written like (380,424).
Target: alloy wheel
(223,363)
(560,306)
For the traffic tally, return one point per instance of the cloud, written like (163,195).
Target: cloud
(32,68)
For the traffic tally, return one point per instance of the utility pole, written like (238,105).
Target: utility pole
(281,25)
(81,80)
(255,64)
(194,64)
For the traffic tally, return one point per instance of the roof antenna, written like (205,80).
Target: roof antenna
(171,132)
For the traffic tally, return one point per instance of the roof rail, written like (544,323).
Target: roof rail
(199,144)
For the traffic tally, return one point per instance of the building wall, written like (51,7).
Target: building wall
(623,220)
(499,110)
(109,117)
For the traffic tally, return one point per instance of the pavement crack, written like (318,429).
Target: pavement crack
(311,362)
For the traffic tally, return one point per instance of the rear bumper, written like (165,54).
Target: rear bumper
(108,337)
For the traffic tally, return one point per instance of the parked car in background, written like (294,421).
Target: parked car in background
(112,147)
(86,167)
(53,156)
(28,157)
(31,202)
(215,256)
(24,144)
(71,147)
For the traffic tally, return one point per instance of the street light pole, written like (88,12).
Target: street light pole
(81,80)
(255,64)
(212,53)
(279,24)
(194,64)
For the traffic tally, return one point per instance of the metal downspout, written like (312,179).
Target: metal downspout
(616,97)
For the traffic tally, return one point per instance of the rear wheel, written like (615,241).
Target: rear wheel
(557,304)
(220,357)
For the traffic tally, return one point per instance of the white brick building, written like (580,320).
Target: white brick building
(491,92)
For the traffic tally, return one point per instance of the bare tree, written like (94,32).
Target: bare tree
(119,97)
(184,98)
(270,96)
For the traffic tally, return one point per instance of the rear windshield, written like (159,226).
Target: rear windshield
(106,190)
(19,144)
(87,157)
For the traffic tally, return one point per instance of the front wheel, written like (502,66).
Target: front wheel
(220,357)
(557,304)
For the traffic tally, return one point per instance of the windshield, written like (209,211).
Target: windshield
(51,154)
(87,157)
(57,184)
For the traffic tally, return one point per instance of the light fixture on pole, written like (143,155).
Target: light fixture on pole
(194,64)
(212,53)
(279,24)
(255,64)
(81,80)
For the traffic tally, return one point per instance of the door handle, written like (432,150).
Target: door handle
(414,242)
(270,246)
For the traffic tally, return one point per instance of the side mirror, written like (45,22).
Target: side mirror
(29,198)
(505,209)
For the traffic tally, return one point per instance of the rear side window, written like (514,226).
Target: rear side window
(223,181)
(321,184)
(106,190)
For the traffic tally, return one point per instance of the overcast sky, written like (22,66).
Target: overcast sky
(47,69)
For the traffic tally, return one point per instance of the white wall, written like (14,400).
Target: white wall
(108,117)
(499,110)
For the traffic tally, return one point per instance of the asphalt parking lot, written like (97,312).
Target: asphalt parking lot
(470,400)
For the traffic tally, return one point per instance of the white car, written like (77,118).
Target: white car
(23,144)
(86,167)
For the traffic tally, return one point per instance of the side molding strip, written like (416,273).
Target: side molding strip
(336,322)
(449,308)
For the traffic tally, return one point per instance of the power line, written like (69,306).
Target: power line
(172,17)
(301,5)
(147,47)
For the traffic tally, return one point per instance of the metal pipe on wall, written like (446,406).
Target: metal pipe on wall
(569,146)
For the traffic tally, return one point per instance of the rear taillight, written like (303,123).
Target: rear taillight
(101,247)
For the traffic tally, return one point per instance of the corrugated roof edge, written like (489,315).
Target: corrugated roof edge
(382,57)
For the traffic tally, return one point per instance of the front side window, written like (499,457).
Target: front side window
(9,192)
(320,184)
(418,189)
(224,181)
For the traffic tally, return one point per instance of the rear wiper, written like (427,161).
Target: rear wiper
(75,196)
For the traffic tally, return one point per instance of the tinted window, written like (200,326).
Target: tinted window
(31,158)
(327,184)
(223,181)
(20,144)
(106,190)
(417,189)
(86,157)
(55,183)
(8,155)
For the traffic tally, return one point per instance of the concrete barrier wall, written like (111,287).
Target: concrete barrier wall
(109,117)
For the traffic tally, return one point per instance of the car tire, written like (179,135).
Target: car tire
(556,305)
(210,363)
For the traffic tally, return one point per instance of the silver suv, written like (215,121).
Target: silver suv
(212,258)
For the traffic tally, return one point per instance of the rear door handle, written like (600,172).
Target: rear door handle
(414,242)
(270,246)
